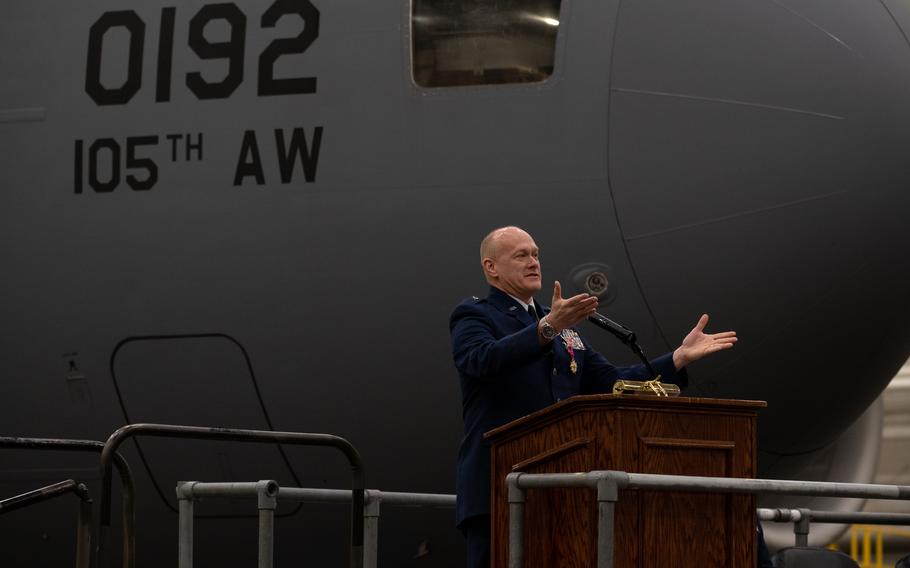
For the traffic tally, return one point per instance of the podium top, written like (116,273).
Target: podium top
(626,401)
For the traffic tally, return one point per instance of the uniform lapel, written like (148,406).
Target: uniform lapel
(507,305)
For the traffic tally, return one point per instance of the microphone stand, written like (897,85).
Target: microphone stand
(626,336)
(637,350)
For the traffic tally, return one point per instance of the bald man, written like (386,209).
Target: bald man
(515,356)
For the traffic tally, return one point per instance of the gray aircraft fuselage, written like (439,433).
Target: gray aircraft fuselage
(191,239)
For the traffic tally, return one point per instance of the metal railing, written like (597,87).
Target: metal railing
(866,558)
(366,504)
(803,518)
(358,476)
(608,483)
(188,492)
(373,501)
(126,481)
(84,530)
(267,493)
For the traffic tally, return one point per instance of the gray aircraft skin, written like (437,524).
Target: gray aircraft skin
(743,158)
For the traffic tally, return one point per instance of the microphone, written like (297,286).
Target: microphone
(625,335)
(622,333)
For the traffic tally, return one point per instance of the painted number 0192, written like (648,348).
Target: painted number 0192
(231,50)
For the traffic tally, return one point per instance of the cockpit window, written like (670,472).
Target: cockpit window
(483,42)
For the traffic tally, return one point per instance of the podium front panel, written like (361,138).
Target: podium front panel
(680,436)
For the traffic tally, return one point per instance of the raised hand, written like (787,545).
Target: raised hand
(566,312)
(698,344)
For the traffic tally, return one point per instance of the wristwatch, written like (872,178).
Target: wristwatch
(547,331)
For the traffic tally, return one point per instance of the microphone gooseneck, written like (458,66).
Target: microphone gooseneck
(624,334)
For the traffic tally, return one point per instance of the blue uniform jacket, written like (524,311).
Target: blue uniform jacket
(505,374)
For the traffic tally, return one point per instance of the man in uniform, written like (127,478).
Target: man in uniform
(515,356)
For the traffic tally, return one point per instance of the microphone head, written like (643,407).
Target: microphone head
(623,333)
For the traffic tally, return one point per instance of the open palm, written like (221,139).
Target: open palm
(698,344)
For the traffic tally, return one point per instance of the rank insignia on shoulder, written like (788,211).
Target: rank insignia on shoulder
(476,299)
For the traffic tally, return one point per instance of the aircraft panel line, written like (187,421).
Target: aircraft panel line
(814,25)
(737,215)
(728,102)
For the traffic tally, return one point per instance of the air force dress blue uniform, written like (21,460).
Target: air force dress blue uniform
(505,374)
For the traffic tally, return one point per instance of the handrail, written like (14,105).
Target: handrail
(84,534)
(373,497)
(358,476)
(802,518)
(866,559)
(721,484)
(268,493)
(43,494)
(311,495)
(861,517)
(126,481)
(608,484)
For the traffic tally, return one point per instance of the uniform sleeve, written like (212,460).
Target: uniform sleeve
(479,353)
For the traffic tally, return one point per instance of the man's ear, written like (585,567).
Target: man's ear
(489,267)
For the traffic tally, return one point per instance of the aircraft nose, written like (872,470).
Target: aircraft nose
(815,287)
(776,208)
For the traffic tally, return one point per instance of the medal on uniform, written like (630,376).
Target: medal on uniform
(573,366)
(569,340)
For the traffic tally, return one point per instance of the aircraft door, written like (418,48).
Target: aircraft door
(196,380)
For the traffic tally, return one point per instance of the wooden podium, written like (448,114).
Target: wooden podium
(635,434)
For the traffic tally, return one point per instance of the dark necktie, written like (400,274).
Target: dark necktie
(532,312)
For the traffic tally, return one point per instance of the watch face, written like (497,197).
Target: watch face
(548,331)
